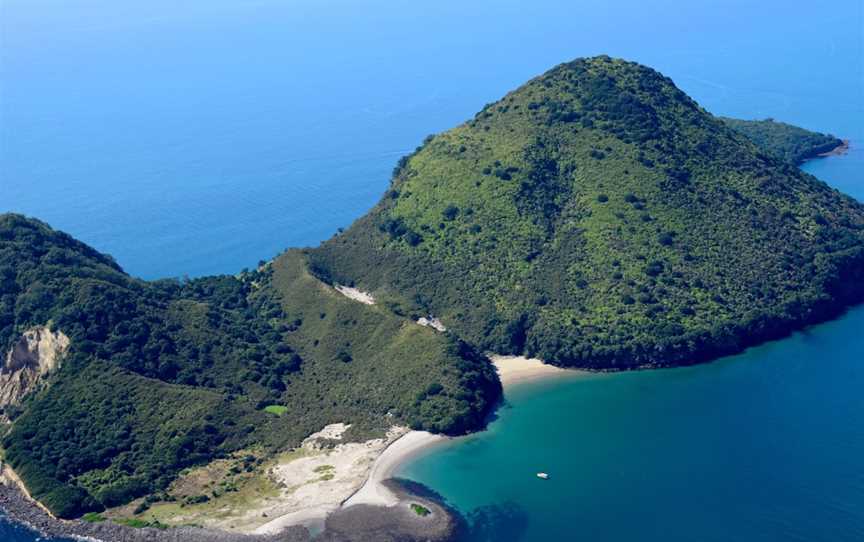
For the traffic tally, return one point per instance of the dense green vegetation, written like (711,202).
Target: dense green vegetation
(164,375)
(785,141)
(598,217)
(594,217)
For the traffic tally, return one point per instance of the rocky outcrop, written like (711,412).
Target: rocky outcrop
(38,353)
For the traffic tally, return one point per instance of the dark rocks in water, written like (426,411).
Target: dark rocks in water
(365,523)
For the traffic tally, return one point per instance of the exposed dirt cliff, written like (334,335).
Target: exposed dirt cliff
(37,354)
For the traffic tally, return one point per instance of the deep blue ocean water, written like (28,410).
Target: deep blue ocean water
(191,138)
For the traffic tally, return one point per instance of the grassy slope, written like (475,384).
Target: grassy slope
(598,217)
(161,376)
(363,359)
(785,141)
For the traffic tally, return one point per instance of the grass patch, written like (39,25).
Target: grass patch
(420,510)
(276,410)
(210,495)
(324,468)
(93,517)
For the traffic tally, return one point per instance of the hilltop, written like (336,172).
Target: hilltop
(598,217)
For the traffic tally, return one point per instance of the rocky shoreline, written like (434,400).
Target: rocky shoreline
(840,149)
(21,510)
(362,523)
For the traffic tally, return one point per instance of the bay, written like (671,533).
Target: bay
(765,446)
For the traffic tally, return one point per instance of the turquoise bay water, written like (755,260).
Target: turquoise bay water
(764,446)
(199,137)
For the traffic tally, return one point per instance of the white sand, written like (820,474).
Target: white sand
(513,369)
(355,294)
(373,491)
(361,468)
(310,483)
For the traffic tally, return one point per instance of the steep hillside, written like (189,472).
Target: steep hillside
(598,217)
(785,141)
(158,376)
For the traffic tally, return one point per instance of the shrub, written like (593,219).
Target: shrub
(420,510)
(654,268)
(413,239)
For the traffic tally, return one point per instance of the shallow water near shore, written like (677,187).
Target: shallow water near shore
(767,445)
(199,138)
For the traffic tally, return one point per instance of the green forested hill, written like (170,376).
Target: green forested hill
(783,140)
(163,375)
(598,217)
(594,217)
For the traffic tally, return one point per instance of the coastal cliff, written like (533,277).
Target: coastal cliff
(31,359)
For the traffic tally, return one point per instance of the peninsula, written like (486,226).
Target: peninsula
(596,218)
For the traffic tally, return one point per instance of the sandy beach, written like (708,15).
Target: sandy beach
(511,370)
(515,369)
(373,491)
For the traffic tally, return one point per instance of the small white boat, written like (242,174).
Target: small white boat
(542,475)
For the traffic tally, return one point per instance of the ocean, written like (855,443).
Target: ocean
(195,138)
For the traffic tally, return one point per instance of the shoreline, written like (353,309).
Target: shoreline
(18,509)
(512,370)
(839,150)
(379,493)
(374,490)
(518,369)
